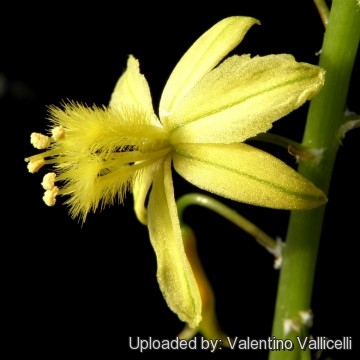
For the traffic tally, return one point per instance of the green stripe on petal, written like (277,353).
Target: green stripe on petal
(243,173)
(202,56)
(174,273)
(242,97)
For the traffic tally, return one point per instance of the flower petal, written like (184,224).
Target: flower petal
(202,56)
(243,173)
(132,91)
(175,277)
(209,326)
(243,96)
(140,188)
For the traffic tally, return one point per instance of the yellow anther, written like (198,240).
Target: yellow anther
(50,196)
(34,166)
(39,141)
(58,133)
(48,182)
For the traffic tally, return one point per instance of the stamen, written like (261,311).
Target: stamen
(48,182)
(34,165)
(58,133)
(50,196)
(39,141)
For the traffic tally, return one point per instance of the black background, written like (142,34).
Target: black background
(76,290)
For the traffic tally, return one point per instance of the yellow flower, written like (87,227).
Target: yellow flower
(208,108)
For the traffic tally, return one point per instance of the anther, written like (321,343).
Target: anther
(58,133)
(34,166)
(48,182)
(39,141)
(50,196)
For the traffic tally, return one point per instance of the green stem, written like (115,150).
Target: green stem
(324,120)
(323,11)
(294,148)
(208,202)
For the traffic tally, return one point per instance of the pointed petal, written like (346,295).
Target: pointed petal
(132,90)
(243,96)
(243,173)
(202,56)
(175,277)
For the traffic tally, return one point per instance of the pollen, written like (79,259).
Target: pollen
(34,165)
(48,182)
(58,133)
(50,196)
(39,141)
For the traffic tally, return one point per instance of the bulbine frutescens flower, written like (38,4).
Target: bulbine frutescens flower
(208,108)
